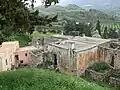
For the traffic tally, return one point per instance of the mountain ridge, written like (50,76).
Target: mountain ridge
(73,12)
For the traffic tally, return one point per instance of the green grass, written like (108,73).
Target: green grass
(23,39)
(39,79)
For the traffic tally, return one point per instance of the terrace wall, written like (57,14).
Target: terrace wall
(97,76)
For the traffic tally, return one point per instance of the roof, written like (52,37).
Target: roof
(28,48)
(81,43)
(11,42)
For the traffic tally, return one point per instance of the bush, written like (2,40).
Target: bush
(100,67)
(23,39)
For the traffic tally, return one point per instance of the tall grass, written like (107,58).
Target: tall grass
(39,79)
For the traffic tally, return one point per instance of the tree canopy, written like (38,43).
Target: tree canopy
(98,27)
(15,16)
(77,28)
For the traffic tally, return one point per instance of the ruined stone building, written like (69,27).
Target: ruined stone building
(72,54)
(110,53)
(11,55)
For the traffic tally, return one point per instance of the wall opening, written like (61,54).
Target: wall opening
(21,61)
(55,60)
(6,62)
(112,61)
(26,54)
(16,57)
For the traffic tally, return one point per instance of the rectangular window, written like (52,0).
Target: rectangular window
(16,57)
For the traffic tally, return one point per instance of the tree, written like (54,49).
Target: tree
(35,19)
(105,34)
(77,28)
(98,27)
(88,29)
(113,34)
(15,16)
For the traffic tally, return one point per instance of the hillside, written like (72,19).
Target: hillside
(112,9)
(73,12)
(38,79)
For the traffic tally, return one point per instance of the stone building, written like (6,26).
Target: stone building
(77,54)
(23,56)
(72,54)
(11,55)
(110,53)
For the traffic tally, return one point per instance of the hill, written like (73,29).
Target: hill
(111,9)
(38,79)
(73,12)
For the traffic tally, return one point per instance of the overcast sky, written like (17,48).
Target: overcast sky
(82,2)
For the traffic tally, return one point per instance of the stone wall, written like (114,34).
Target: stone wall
(114,81)
(110,56)
(46,40)
(66,58)
(86,58)
(35,59)
(106,44)
(97,76)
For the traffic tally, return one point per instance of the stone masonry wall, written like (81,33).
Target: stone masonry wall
(114,81)
(86,58)
(101,77)
(66,59)
(110,56)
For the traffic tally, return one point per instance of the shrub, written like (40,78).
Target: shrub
(100,67)
(23,39)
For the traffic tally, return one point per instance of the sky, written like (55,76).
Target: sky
(83,2)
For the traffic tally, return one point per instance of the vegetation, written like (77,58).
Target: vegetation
(23,39)
(100,67)
(77,28)
(109,25)
(38,79)
(113,34)
(98,27)
(15,17)
(37,34)
(105,34)
(74,12)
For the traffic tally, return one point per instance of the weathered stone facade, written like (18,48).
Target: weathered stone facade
(109,55)
(86,58)
(66,58)
(73,54)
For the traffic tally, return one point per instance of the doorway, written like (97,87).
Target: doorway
(55,60)
(112,61)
